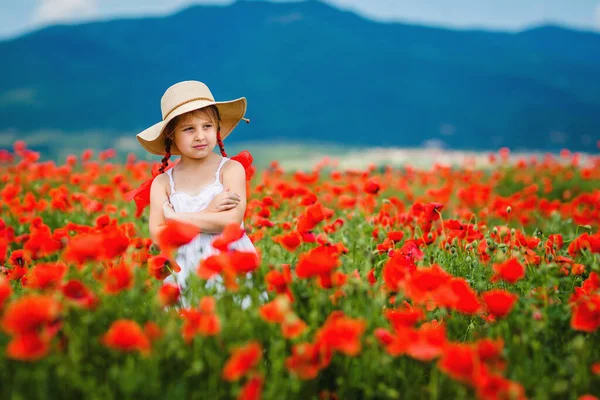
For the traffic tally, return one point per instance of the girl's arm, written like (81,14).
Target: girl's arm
(234,178)
(158,196)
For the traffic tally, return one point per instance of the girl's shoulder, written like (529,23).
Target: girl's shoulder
(233,169)
(161,183)
(161,179)
(230,164)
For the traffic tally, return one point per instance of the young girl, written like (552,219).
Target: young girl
(203,188)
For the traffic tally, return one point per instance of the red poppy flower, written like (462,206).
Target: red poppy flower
(30,313)
(396,270)
(245,158)
(318,261)
(3,250)
(127,336)
(499,302)
(77,293)
(202,321)
(41,243)
(168,294)
(252,389)
(243,262)
(464,298)
(19,258)
(213,265)
(30,346)
(152,331)
(118,278)
(315,213)
(115,242)
(306,360)
(510,271)
(404,317)
(395,236)
(5,290)
(372,187)
(43,276)
(424,282)
(278,281)
(231,233)
(230,265)
(586,314)
(159,267)
(460,361)
(292,326)
(275,310)
(497,387)
(84,247)
(340,333)
(141,195)
(175,234)
(489,349)
(242,360)
(427,342)
(289,241)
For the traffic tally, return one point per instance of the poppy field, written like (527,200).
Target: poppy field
(450,282)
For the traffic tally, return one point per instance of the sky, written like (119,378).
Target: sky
(19,16)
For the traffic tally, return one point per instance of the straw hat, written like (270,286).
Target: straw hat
(187,96)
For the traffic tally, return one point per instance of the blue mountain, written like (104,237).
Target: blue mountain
(312,72)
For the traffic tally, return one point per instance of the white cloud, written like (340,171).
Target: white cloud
(64,10)
(597,16)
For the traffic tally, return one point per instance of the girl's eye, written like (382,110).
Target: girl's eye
(207,125)
(188,129)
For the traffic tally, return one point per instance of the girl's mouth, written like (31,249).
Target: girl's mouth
(200,146)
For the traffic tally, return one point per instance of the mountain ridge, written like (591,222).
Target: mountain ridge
(310,70)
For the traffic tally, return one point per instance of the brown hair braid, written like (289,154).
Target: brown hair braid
(165,160)
(220,143)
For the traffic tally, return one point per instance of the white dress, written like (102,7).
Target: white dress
(189,255)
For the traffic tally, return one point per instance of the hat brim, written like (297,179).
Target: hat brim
(231,113)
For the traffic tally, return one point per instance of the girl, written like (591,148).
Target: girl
(203,188)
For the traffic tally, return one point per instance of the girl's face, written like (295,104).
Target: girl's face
(195,135)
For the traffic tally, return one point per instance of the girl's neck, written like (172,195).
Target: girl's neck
(187,162)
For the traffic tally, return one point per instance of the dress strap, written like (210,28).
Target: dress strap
(218,174)
(171,180)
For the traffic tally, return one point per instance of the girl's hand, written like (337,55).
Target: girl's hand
(168,210)
(226,200)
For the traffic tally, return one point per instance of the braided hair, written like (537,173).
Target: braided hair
(219,140)
(165,160)
(220,143)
